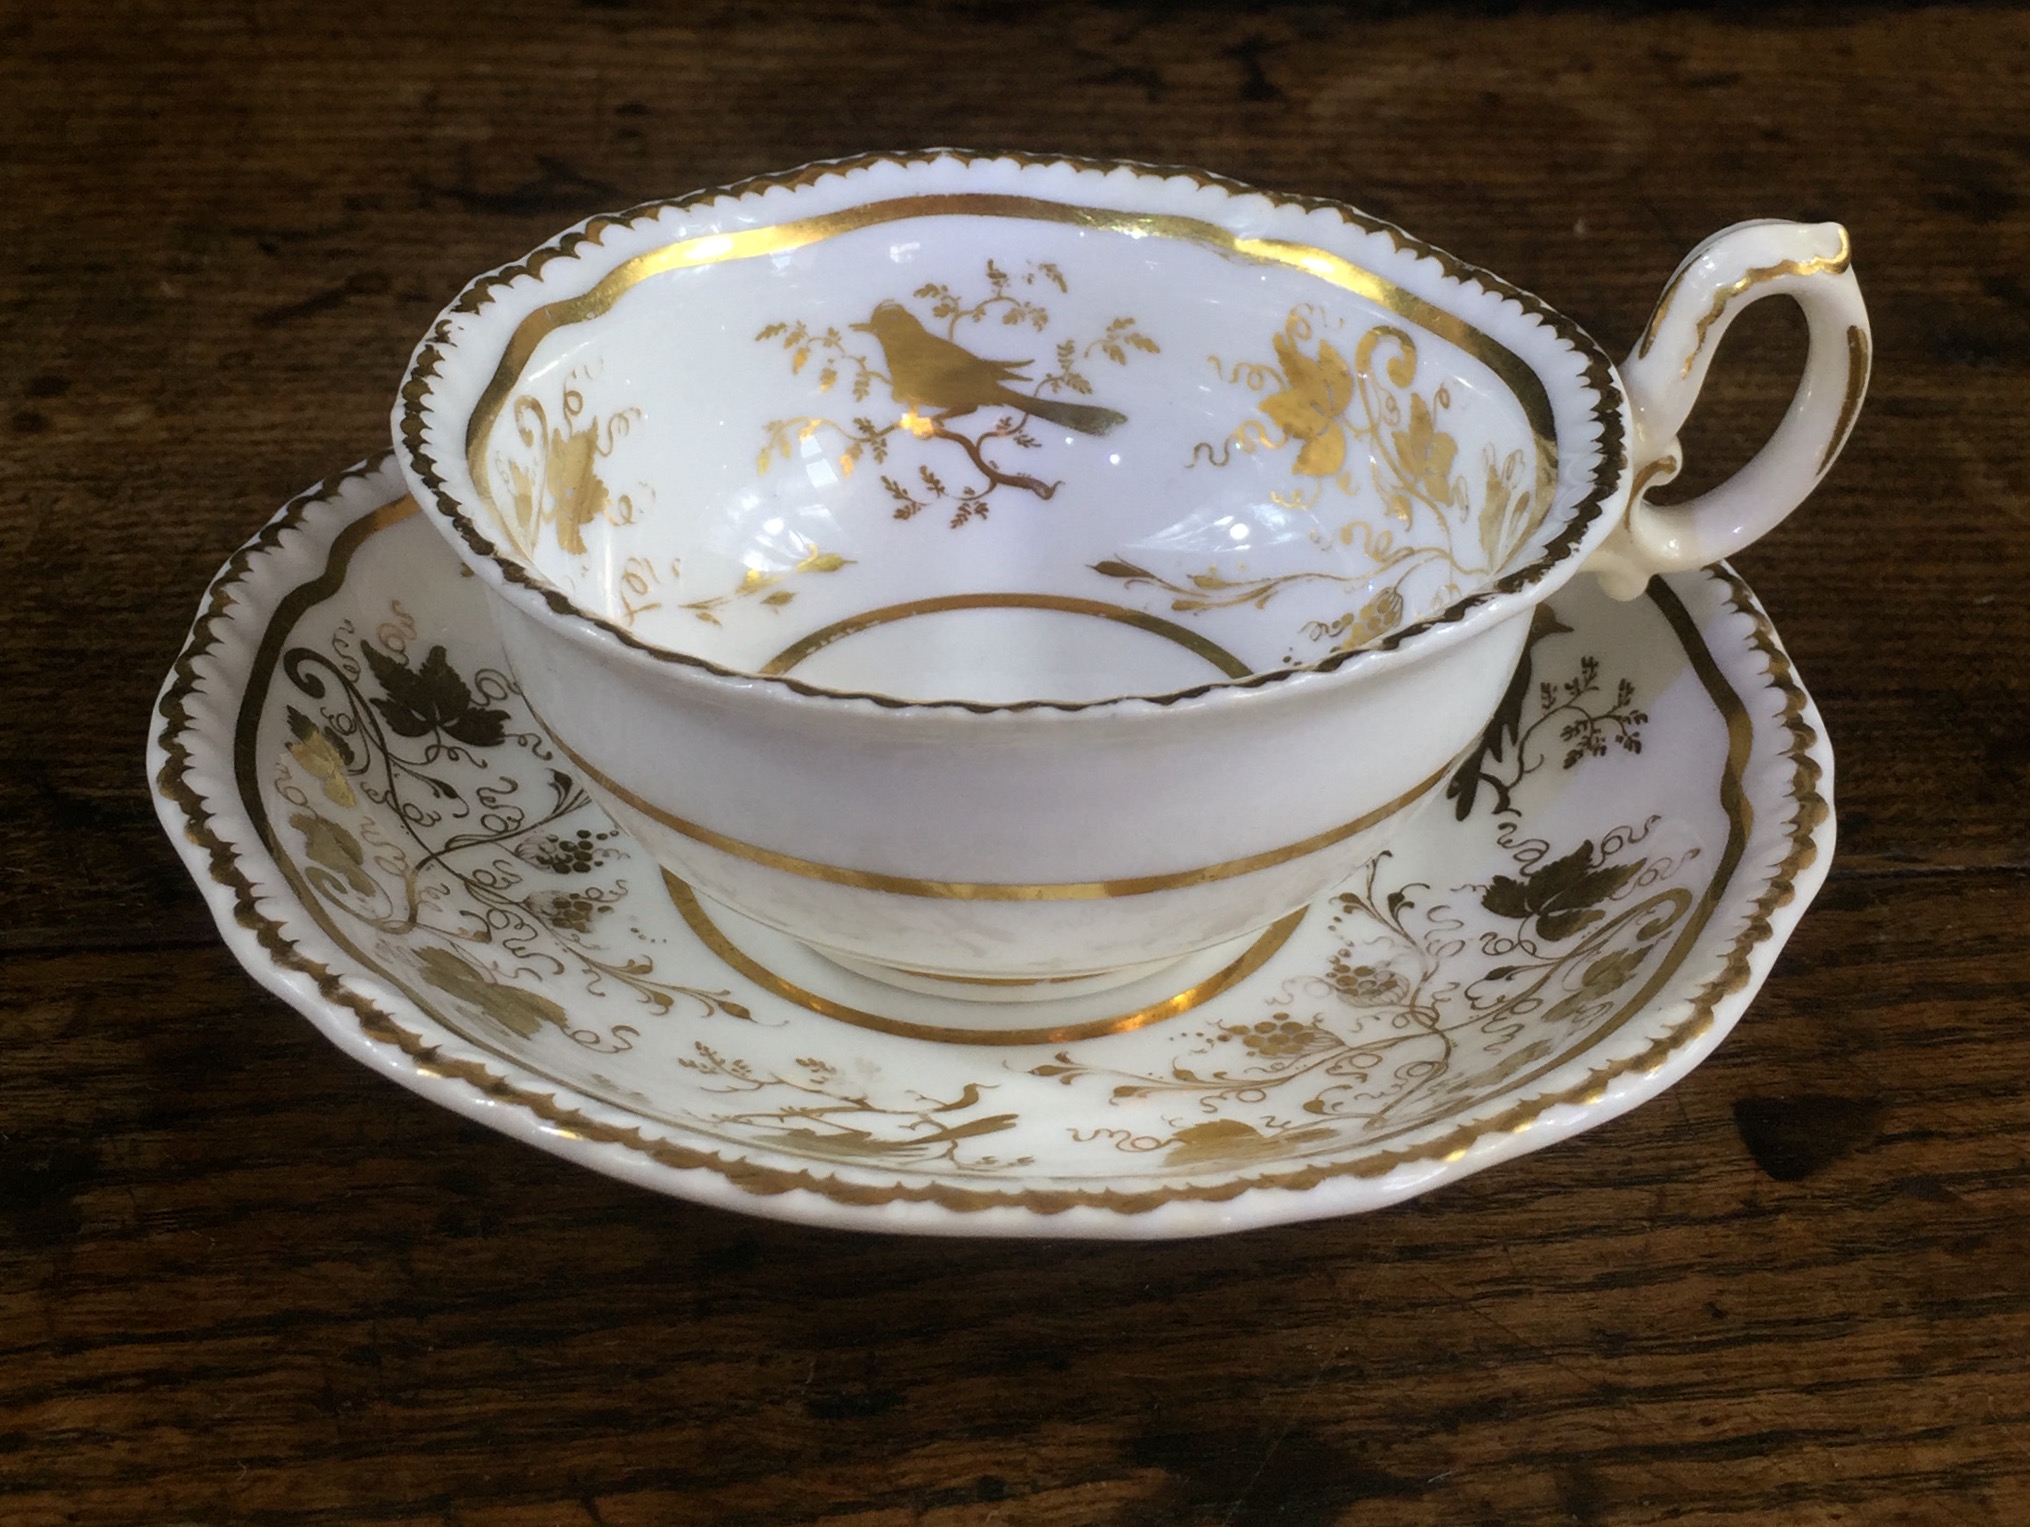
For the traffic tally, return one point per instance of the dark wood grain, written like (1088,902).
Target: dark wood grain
(244,1281)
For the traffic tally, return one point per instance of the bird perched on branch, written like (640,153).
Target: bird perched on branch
(930,372)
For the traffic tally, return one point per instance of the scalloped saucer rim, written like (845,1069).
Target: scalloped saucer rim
(1226,1174)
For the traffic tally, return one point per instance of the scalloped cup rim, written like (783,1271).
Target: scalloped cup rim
(1569,534)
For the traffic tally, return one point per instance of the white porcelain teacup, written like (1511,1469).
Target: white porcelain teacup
(1008,575)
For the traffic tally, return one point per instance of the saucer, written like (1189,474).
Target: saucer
(392,844)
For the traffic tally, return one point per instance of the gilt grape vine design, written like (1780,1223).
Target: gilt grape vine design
(417,827)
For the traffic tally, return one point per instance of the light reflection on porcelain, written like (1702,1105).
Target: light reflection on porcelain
(1168,541)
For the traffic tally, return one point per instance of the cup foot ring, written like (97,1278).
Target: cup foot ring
(994,989)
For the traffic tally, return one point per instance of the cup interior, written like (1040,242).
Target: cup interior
(993,447)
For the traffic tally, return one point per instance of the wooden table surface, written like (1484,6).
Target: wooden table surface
(243,1280)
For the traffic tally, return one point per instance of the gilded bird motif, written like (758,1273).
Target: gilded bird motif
(930,372)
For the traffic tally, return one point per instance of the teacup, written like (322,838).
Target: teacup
(1009,575)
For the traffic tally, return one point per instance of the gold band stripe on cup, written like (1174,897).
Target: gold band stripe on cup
(985,890)
(1062,604)
(1833,264)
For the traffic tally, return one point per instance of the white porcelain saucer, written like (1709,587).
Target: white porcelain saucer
(390,843)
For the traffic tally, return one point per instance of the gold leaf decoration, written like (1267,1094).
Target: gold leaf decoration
(1228,1142)
(521,1012)
(1311,405)
(1426,453)
(333,848)
(1355,428)
(323,756)
(559,483)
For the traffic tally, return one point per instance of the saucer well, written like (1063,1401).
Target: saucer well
(390,842)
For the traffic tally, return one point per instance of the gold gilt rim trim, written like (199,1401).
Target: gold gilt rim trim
(1515,373)
(1830,265)
(1817,265)
(1857,388)
(223,605)
(691,906)
(985,890)
(1598,378)
(1061,604)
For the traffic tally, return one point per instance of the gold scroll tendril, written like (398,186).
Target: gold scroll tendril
(560,484)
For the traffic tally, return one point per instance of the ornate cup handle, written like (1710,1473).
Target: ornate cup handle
(1736,266)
